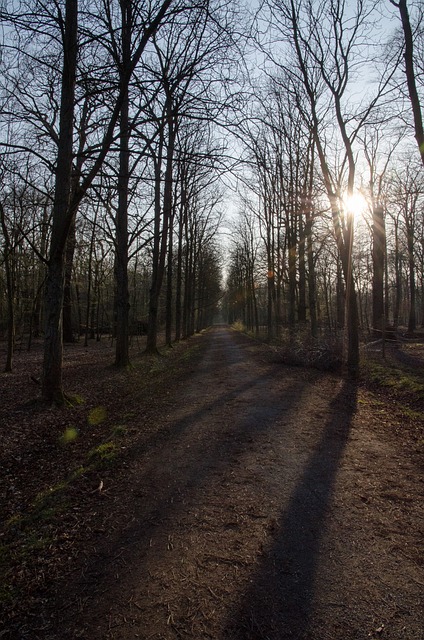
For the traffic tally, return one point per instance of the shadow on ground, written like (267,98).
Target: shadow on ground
(280,602)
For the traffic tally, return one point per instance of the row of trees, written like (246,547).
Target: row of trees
(111,165)
(318,148)
(313,294)
(116,117)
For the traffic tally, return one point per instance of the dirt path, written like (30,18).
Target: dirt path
(266,503)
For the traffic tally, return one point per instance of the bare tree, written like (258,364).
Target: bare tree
(410,73)
(65,206)
(407,202)
(378,160)
(326,41)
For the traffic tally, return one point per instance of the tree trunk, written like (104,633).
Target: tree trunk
(62,216)
(292,278)
(378,260)
(301,309)
(10,289)
(178,289)
(340,299)
(169,285)
(89,281)
(412,320)
(41,275)
(161,243)
(270,297)
(122,358)
(352,318)
(311,277)
(410,75)
(398,278)
(68,334)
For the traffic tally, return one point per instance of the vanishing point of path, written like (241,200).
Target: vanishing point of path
(265,503)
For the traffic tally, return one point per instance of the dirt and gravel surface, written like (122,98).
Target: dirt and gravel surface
(247,500)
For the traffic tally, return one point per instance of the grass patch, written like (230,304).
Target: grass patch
(97,416)
(69,435)
(104,452)
(398,379)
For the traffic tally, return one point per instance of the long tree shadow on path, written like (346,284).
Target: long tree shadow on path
(180,462)
(279,604)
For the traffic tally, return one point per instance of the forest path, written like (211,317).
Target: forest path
(267,502)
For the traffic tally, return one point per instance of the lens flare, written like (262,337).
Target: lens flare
(355,204)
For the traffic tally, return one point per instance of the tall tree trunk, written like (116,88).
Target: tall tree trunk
(378,260)
(41,275)
(412,320)
(255,303)
(301,309)
(122,357)
(68,334)
(340,299)
(188,277)
(89,281)
(52,389)
(194,273)
(410,74)
(161,243)
(292,276)
(270,299)
(398,278)
(178,288)
(169,285)
(10,291)
(311,276)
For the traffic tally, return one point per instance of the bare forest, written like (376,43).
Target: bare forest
(211,240)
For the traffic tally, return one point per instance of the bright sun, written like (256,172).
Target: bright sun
(355,204)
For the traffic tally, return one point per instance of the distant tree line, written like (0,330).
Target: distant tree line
(330,233)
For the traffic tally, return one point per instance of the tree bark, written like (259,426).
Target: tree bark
(161,243)
(410,74)
(311,276)
(10,290)
(412,319)
(122,358)
(378,260)
(62,216)
(68,334)
(169,284)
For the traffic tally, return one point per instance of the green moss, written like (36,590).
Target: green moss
(105,451)
(97,415)
(69,435)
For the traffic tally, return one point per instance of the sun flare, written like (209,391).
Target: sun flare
(355,204)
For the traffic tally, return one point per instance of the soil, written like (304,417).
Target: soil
(213,492)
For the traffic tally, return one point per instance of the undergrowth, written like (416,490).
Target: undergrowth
(399,379)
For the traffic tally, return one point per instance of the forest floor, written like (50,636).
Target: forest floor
(212,492)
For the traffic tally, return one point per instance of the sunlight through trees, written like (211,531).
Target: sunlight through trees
(126,129)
